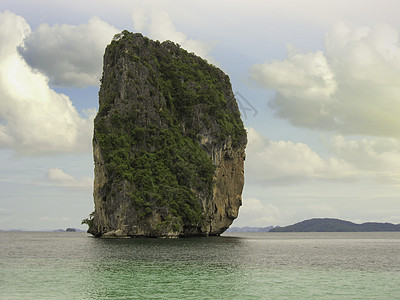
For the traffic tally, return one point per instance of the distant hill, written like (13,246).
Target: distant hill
(69,230)
(335,225)
(249,229)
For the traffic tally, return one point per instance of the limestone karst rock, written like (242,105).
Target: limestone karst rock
(168,144)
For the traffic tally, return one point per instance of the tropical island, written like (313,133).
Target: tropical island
(168,144)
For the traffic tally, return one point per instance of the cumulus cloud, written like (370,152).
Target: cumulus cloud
(53,219)
(158,25)
(58,177)
(70,55)
(255,213)
(353,88)
(5,212)
(34,119)
(261,212)
(285,162)
(378,158)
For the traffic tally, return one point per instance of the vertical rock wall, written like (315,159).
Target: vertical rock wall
(168,145)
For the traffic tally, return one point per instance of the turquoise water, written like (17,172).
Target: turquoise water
(35,265)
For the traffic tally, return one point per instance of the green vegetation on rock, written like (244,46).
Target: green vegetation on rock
(157,103)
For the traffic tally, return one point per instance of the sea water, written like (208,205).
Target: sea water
(66,265)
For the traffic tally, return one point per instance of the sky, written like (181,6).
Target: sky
(317,82)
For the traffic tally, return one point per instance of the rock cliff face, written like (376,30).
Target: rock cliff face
(169,144)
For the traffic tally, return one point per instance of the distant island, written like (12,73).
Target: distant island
(249,229)
(69,230)
(336,225)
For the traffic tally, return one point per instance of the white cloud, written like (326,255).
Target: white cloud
(159,26)
(309,73)
(378,158)
(6,212)
(257,214)
(354,88)
(34,119)
(285,161)
(53,219)
(318,210)
(70,55)
(60,178)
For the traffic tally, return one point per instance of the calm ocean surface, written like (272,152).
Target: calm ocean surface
(62,265)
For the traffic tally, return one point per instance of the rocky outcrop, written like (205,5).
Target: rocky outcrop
(168,144)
